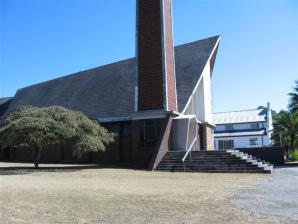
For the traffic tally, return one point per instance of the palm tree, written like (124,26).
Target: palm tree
(293,105)
(285,124)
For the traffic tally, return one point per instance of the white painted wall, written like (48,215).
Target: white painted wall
(244,141)
(207,94)
(241,142)
(200,101)
(242,126)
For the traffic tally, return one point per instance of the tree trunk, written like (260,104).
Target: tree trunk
(36,156)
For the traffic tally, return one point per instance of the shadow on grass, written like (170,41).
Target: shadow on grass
(19,169)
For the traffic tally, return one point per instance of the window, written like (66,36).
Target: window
(113,128)
(149,133)
(126,128)
(253,141)
(254,126)
(225,144)
(229,127)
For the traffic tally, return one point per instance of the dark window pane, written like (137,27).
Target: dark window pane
(149,133)
(126,129)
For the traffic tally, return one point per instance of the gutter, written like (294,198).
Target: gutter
(152,114)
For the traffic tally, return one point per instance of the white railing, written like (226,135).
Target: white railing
(188,152)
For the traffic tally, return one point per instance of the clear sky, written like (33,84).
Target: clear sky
(257,59)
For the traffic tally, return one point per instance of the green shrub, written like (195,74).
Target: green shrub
(35,128)
(295,155)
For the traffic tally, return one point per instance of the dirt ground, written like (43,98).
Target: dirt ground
(121,196)
(273,198)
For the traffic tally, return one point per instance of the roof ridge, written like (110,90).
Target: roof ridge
(236,111)
(6,97)
(197,41)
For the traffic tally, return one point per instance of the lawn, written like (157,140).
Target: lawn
(119,196)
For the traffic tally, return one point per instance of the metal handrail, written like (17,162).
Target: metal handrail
(188,151)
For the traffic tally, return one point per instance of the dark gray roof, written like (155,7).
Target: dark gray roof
(108,91)
(4,100)
(4,103)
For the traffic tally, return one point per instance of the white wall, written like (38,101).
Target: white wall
(241,126)
(240,142)
(200,101)
(207,94)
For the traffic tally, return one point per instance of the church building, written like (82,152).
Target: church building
(156,102)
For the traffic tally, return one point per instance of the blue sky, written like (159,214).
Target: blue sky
(257,59)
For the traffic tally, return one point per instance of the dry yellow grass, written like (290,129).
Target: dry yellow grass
(119,196)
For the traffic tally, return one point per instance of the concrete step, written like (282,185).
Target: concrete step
(203,159)
(212,161)
(215,171)
(208,164)
(207,168)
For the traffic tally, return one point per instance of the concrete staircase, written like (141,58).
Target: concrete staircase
(231,161)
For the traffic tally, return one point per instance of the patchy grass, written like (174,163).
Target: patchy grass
(119,196)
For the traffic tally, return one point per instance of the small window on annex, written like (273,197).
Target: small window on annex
(149,133)
(255,126)
(225,144)
(253,141)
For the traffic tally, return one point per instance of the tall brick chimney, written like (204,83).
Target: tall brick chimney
(155,56)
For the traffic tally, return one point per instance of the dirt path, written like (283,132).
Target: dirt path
(272,197)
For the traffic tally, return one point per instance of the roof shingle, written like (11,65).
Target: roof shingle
(108,91)
(244,116)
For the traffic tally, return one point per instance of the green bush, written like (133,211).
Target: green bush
(295,155)
(35,128)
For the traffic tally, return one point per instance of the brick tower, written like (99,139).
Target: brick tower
(155,56)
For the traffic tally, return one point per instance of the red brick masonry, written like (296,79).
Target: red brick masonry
(150,66)
(170,57)
(155,55)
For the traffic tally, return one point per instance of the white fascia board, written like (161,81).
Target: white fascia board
(238,134)
(189,117)
(150,115)
(135,116)
(207,124)
(113,119)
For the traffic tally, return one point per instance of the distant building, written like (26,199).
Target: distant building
(242,129)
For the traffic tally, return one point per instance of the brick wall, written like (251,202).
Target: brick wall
(125,150)
(170,56)
(164,144)
(207,137)
(155,55)
(149,52)
(273,155)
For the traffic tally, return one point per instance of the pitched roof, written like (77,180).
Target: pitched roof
(244,116)
(4,103)
(108,91)
(4,100)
